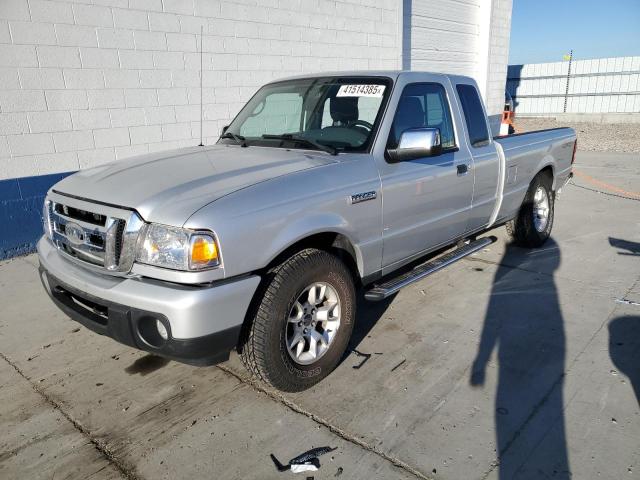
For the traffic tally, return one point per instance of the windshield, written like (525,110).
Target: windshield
(326,113)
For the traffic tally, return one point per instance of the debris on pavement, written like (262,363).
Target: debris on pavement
(366,356)
(627,302)
(339,472)
(310,466)
(399,365)
(305,462)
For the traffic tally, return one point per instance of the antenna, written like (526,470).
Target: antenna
(201,103)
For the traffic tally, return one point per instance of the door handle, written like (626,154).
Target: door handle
(463,169)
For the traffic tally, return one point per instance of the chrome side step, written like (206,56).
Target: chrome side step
(391,286)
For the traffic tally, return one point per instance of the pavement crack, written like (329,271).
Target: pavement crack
(125,470)
(346,436)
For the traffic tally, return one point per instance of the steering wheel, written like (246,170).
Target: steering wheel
(361,123)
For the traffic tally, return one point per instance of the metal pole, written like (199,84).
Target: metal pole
(566,92)
(201,74)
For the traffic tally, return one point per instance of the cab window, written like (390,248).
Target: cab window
(423,105)
(473,115)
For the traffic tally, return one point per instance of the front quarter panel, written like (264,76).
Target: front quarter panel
(254,225)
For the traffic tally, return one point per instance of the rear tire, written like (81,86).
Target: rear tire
(532,226)
(296,298)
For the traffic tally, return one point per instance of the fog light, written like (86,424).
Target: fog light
(162,330)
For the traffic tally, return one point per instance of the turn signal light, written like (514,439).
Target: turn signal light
(204,251)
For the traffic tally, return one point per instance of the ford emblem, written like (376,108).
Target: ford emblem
(74,233)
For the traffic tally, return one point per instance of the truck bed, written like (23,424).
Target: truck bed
(527,153)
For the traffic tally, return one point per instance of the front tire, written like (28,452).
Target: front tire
(301,322)
(532,226)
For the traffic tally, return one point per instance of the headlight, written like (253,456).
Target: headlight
(46,218)
(177,248)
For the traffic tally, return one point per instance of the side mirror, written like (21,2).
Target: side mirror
(417,143)
(224,129)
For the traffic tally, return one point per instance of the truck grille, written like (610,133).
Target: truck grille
(92,233)
(82,215)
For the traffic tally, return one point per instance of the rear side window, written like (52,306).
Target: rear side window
(473,115)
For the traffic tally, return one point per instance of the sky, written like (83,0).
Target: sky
(545,30)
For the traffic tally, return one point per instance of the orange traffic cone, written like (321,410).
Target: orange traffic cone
(506,124)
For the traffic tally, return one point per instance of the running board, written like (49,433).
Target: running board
(391,286)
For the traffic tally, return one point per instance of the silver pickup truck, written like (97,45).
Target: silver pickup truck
(322,186)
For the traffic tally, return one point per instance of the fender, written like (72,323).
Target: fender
(310,225)
(546,161)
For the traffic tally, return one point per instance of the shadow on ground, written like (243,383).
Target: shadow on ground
(624,332)
(624,348)
(625,247)
(147,364)
(524,324)
(368,314)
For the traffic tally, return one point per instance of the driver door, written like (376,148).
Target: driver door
(426,201)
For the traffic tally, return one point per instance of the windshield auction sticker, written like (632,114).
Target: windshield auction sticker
(361,91)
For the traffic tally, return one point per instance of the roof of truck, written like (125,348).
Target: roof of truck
(393,74)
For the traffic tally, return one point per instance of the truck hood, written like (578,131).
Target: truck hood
(168,187)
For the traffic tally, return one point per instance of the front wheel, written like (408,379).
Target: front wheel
(532,226)
(302,321)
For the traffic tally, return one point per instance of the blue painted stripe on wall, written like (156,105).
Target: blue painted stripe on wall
(21,212)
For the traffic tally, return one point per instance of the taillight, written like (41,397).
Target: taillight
(573,155)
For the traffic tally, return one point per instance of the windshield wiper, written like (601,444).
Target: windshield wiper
(239,139)
(294,138)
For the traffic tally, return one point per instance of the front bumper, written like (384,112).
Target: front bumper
(203,322)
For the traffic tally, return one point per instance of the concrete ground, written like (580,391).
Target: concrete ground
(511,364)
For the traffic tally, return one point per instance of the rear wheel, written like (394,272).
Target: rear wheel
(302,321)
(532,227)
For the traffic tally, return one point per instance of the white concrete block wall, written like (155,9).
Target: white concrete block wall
(498,55)
(84,82)
(443,35)
(468,37)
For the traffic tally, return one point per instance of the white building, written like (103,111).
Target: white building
(84,82)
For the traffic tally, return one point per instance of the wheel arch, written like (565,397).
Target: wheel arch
(549,170)
(332,241)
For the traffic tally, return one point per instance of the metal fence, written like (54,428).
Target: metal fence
(600,85)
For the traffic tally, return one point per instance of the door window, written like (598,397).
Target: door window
(473,115)
(423,105)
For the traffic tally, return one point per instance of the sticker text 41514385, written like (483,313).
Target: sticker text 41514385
(369,90)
